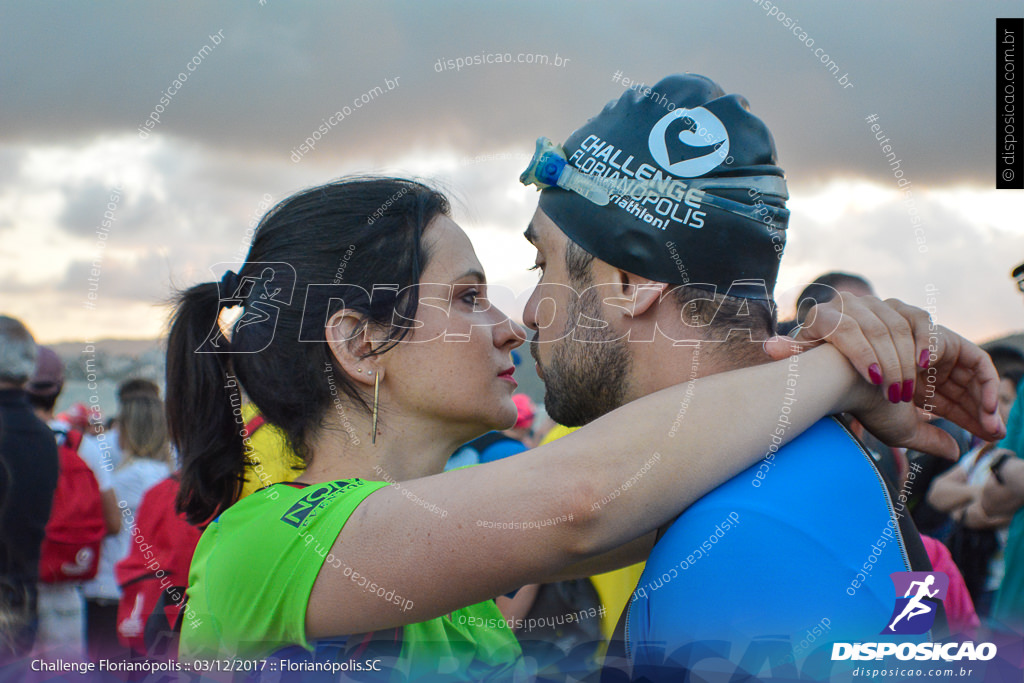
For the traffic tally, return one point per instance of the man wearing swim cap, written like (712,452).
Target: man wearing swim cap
(659,231)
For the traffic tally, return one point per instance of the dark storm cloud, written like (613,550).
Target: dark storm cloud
(281,70)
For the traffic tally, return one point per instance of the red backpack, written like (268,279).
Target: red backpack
(154,575)
(71,548)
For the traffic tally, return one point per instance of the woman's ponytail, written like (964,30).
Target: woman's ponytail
(203,406)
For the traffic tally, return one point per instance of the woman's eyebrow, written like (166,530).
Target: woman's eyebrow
(472,273)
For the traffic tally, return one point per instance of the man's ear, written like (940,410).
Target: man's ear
(640,292)
(348,336)
(626,291)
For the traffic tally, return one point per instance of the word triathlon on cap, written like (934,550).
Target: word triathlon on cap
(630,188)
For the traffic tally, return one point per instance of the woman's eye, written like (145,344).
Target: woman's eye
(538,266)
(471,297)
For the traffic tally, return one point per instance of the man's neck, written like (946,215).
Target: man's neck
(659,366)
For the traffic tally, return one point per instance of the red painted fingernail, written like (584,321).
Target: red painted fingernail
(875,373)
(923,360)
(908,390)
(894,392)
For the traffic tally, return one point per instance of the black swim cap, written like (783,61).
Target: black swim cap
(683,188)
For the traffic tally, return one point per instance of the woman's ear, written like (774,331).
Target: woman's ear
(351,343)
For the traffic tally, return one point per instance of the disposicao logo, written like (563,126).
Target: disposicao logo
(918,595)
(914,613)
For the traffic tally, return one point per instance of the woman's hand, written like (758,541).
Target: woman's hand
(886,344)
(898,348)
(900,425)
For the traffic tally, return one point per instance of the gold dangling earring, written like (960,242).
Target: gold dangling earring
(376,396)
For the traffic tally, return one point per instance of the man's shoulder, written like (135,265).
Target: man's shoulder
(821,485)
(502,448)
(24,434)
(18,417)
(808,468)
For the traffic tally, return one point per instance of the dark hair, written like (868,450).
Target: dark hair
(719,314)
(1014,375)
(44,403)
(1004,357)
(361,234)
(823,290)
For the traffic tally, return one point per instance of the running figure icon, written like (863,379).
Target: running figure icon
(915,607)
(922,593)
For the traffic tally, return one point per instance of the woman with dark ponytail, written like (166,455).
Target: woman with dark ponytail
(367,339)
(305,237)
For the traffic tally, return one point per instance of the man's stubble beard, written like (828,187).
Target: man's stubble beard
(588,374)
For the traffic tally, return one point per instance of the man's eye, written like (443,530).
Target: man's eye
(537,266)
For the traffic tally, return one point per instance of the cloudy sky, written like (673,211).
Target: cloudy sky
(80,80)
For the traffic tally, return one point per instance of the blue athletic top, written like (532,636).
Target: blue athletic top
(791,554)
